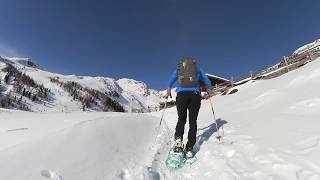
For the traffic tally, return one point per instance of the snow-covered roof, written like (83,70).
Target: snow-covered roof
(217,77)
(307,47)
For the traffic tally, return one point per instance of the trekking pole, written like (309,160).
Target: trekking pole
(164,109)
(162,119)
(215,120)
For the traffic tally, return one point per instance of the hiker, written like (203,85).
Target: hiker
(187,76)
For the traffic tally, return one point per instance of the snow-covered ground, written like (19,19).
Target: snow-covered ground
(271,132)
(74,146)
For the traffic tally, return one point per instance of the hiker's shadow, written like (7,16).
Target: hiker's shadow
(207,134)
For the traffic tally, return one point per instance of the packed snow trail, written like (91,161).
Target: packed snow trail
(236,156)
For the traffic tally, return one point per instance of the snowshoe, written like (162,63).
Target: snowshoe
(176,156)
(176,159)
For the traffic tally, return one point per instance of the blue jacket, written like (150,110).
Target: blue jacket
(201,76)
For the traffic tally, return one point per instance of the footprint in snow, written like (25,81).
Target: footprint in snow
(51,175)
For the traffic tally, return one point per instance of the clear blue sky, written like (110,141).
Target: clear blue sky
(144,39)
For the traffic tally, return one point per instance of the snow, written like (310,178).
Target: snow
(139,94)
(73,146)
(271,132)
(306,47)
(133,95)
(16,58)
(217,77)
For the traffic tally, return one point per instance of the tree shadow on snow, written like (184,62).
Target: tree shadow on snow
(207,134)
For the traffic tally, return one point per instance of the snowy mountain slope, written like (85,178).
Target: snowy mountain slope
(140,94)
(123,91)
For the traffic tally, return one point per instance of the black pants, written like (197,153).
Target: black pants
(188,101)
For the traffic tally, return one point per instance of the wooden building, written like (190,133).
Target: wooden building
(216,81)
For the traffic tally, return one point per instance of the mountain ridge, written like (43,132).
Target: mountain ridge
(92,92)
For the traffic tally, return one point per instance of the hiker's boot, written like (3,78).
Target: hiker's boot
(178,147)
(189,152)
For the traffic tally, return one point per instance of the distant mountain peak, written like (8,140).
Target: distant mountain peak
(25,61)
(134,85)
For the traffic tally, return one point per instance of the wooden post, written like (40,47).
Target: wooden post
(310,55)
(285,59)
(231,81)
